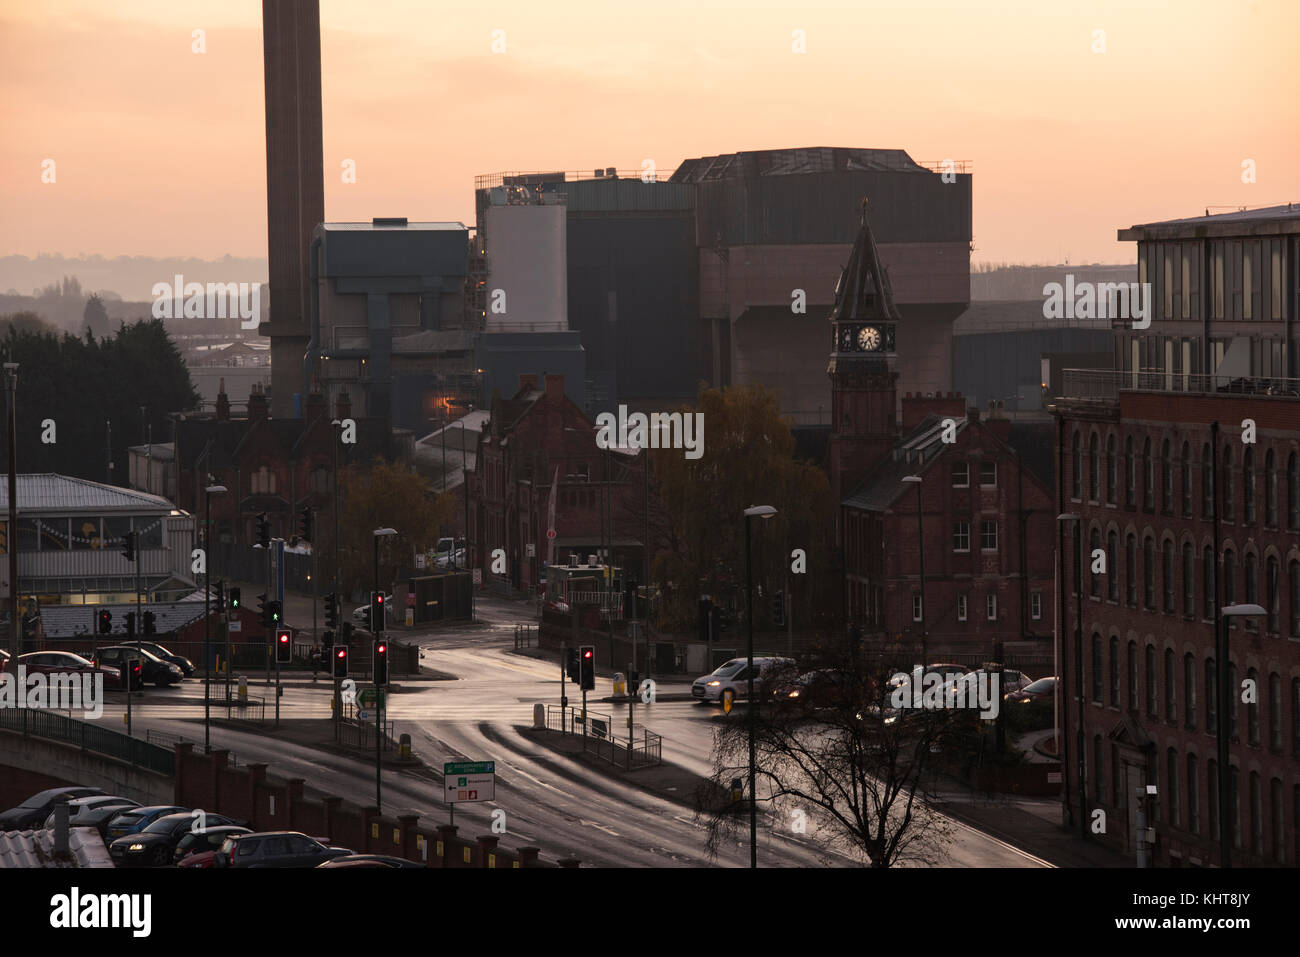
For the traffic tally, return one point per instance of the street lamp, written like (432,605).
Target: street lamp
(374,630)
(920,536)
(1078,661)
(208,492)
(1221,724)
(762,511)
(15,626)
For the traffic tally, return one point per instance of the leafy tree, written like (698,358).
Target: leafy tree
(95,318)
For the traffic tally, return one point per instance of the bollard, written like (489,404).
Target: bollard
(243,690)
(539,715)
(404,747)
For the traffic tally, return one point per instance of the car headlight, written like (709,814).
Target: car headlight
(714,684)
(794,694)
(891,719)
(136,847)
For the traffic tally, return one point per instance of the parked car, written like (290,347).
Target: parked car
(34,811)
(369,860)
(821,688)
(158,651)
(275,849)
(731,679)
(1044,689)
(65,662)
(199,859)
(94,811)
(138,818)
(153,846)
(362,614)
(205,843)
(152,668)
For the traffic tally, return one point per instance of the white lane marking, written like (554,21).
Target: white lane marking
(599,827)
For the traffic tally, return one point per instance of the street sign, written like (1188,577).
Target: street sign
(530,550)
(363,715)
(235,625)
(550,534)
(367,697)
(466,781)
(420,560)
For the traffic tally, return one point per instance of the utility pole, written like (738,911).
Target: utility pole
(11,545)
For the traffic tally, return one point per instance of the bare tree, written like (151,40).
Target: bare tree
(835,762)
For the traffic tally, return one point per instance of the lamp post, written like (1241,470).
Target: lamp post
(1225,693)
(762,511)
(1078,663)
(374,631)
(15,625)
(208,492)
(920,537)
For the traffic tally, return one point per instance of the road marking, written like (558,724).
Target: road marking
(599,827)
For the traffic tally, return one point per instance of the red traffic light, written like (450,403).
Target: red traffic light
(282,637)
(340,652)
(586,654)
(382,648)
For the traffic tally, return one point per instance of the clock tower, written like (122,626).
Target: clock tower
(862,370)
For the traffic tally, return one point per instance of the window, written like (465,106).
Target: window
(1132,661)
(1077,459)
(1094,469)
(1233,701)
(1130,569)
(85,533)
(1112,566)
(960,475)
(1270,489)
(1207,583)
(1114,672)
(1188,492)
(1227,483)
(1212,795)
(988,474)
(988,535)
(320,479)
(991,606)
(1271,592)
(1171,776)
(1130,475)
(1295,717)
(1292,493)
(1193,797)
(1234,804)
(1036,605)
(262,481)
(1098,770)
(1207,482)
(916,607)
(961,536)
(1252,587)
(1275,804)
(1211,698)
(1293,570)
(1248,485)
(1094,545)
(961,607)
(1112,471)
(1096,668)
(1167,571)
(1117,791)
(1230,580)
(1148,478)
(1189,580)
(1275,712)
(1252,710)
(1166,479)
(1153,705)
(1189,693)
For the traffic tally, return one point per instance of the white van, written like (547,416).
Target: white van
(732,678)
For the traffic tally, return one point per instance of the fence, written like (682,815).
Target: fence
(628,752)
(525,636)
(359,732)
(89,737)
(169,741)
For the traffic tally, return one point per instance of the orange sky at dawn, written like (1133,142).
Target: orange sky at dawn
(159,150)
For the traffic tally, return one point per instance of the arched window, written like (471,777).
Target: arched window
(1130,475)
(1094,543)
(1293,573)
(1212,795)
(1207,583)
(1114,672)
(1098,770)
(1193,796)
(1112,471)
(1132,662)
(1271,590)
(1230,579)
(1130,570)
(1171,776)
(1252,587)
(1094,469)
(1227,483)
(1112,566)
(1292,492)
(1275,712)
(320,479)
(1252,710)
(1189,580)
(1188,492)
(1234,699)
(1167,573)
(1166,479)
(1096,667)
(1189,691)
(1078,466)
(1270,489)
(1149,573)
(1248,485)
(1207,481)
(1148,478)
(1211,697)
(1153,697)
(1171,696)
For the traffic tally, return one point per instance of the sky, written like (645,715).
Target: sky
(158,150)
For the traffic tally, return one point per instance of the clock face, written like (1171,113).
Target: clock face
(869,339)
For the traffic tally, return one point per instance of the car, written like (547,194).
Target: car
(275,849)
(362,614)
(369,860)
(730,681)
(820,688)
(158,651)
(4,659)
(199,859)
(1044,689)
(34,811)
(205,843)
(66,662)
(153,846)
(152,668)
(94,811)
(138,818)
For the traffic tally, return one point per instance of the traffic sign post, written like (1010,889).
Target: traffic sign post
(468,781)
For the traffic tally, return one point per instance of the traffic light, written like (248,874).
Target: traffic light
(105,622)
(778,608)
(331,610)
(263,531)
(587,667)
(221,596)
(327,642)
(381,661)
(283,646)
(149,627)
(347,632)
(629,600)
(234,599)
(130,624)
(340,659)
(377,612)
(305,523)
(571,664)
(263,611)
(128,546)
(705,606)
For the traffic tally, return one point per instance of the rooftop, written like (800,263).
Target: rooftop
(1104,385)
(49,492)
(73,621)
(35,848)
(1267,220)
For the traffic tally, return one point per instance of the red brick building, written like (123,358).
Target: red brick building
(1190,516)
(535,440)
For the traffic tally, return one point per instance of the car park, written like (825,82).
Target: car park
(730,681)
(138,818)
(152,668)
(205,843)
(34,811)
(65,662)
(275,849)
(94,811)
(153,846)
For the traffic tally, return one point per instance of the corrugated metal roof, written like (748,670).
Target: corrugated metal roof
(49,492)
(73,621)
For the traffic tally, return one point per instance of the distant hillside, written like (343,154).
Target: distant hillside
(1024,283)
(126,277)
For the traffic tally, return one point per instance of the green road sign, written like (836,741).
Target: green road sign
(368,696)
(453,768)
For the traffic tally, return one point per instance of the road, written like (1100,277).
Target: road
(551,801)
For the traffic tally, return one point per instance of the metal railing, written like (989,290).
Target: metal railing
(525,636)
(359,733)
(1106,384)
(626,751)
(89,737)
(166,740)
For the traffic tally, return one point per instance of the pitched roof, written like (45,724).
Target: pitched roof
(912,455)
(73,621)
(50,492)
(863,293)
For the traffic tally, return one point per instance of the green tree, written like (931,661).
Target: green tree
(386,495)
(94,319)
